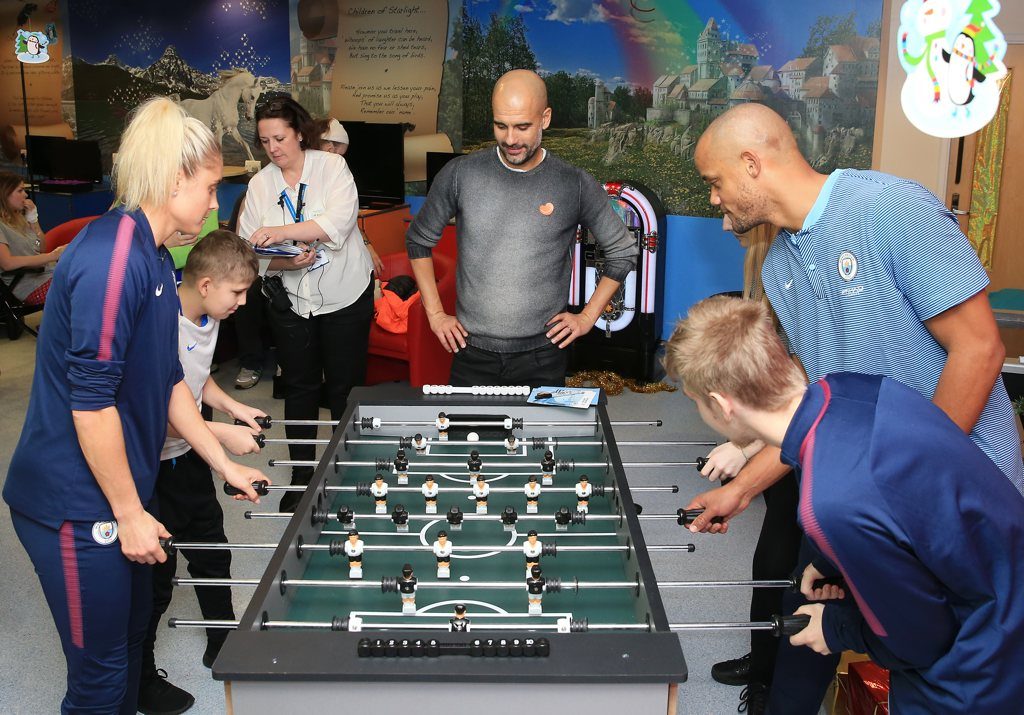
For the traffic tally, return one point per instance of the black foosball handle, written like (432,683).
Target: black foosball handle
(701,462)
(684,517)
(168,546)
(264,422)
(794,583)
(789,625)
(260,486)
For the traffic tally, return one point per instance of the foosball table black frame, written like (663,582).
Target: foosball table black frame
(285,670)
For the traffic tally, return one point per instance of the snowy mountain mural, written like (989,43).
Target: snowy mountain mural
(125,53)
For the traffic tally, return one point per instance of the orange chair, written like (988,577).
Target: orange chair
(416,356)
(62,234)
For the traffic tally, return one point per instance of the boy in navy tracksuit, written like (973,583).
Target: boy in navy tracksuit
(215,279)
(927,533)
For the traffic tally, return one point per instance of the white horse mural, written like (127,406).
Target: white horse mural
(219,111)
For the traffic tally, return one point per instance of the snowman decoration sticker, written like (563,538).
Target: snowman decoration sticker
(952,51)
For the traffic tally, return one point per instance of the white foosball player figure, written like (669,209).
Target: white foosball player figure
(535,584)
(583,491)
(480,490)
(419,443)
(547,468)
(402,467)
(532,491)
(443,552)
(511,443)
(407,589)
(532,549)
(443,423)
(430,490)
(379,491)
(354,551)
(460,624)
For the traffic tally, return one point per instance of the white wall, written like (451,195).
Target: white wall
(901,149)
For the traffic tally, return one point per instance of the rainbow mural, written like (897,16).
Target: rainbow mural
(663,69)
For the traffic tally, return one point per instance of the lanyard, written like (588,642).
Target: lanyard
(287,202)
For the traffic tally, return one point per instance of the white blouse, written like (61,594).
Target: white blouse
(331,200)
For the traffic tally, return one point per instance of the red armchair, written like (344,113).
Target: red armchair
(416,356)
(62,234)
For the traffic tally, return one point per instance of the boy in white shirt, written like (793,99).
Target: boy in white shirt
(215,279)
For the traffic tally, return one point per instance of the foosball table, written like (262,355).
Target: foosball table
(455,552)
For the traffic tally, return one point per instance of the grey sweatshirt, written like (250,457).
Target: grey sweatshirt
(515,233)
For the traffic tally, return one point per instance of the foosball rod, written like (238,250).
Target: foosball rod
(777,626)
(434,517)
(535,442)
(375,423)
(262,488)
(564,585)
(563,465)
(551,548)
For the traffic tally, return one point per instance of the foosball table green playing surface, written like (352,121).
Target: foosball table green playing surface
(504,568)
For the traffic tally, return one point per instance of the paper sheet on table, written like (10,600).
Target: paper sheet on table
(577,397)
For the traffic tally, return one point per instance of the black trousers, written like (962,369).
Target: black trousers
(249,327)
(545,365)
(802,676)
(774,558)
(186,504)
(327,348)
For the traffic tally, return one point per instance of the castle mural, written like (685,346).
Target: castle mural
(633,85)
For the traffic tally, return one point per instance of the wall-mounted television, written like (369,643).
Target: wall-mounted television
(376,156)
(65,159)
(436,161)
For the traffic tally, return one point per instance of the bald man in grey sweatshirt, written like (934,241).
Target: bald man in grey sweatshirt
(516,208)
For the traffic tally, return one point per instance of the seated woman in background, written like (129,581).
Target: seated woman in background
(21,241)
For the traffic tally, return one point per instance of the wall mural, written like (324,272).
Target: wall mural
(216,58)
(633,83)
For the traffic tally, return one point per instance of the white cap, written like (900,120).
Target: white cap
(335,132)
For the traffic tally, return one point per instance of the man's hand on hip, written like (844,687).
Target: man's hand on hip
(566,327)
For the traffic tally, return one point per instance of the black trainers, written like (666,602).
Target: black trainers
(159,697)
(732,672)
(754,699)
(213,646)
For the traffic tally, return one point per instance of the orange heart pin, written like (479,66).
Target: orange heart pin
(547,209)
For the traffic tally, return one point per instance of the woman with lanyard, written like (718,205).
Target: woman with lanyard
(322,298)
(107,385)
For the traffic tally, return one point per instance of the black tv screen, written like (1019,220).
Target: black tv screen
(436,161)
(60,158)
(376,156)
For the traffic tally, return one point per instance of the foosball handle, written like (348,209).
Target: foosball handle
(684,517)
(264,422)
(830,581)
(259,486)
(260,440)
(789,625)
(168,546)
(701,462)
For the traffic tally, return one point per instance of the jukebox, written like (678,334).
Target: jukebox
(625,337)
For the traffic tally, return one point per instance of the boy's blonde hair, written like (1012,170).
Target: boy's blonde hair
(220,255)
(728,345)
(161,140)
